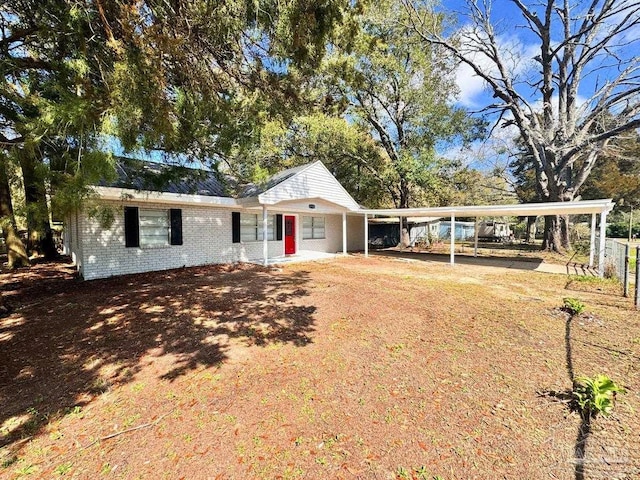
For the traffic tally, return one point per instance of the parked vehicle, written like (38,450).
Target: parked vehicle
(494,232)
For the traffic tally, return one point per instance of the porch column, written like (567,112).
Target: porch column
(265,239)
(603,237)
(453,241)
(592,244)
(475,239)
(400,230)
(344,233)
(366,235)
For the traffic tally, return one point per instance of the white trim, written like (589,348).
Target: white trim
(323,206)
(603,243)
(452,241)
(131,195)
(592,242)
(366,235)
(520,209)
(475,238)
(344,233)
(265,235)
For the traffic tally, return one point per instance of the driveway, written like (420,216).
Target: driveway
(531,264)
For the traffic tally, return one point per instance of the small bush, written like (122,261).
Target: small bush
(595,395)
(573,306)
(610,271)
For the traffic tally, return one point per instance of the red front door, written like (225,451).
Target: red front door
(289,235)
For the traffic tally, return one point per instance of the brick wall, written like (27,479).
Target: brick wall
(207,238)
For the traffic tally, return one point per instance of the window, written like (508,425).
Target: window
(312,227)
(251,227)
(152,228)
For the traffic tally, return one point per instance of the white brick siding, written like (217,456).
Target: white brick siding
(207,239)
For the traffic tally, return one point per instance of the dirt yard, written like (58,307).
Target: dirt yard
(353,368)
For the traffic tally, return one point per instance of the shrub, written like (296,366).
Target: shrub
(595,395)
(610,271)
(573,306)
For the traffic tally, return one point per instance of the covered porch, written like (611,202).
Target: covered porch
(595,208)
(311,229)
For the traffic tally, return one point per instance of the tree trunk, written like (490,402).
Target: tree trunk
(405,237)
(16,252)
(39,233)
(531,229)
(556,233)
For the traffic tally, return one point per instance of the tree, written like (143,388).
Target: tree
(381,105)
(584,72)
(401,94)
(617,174)
(16,253)
(347,150)
(182,77)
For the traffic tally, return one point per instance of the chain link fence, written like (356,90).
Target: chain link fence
(614,258)
(616,263)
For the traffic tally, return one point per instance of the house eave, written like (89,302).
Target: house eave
(124,194)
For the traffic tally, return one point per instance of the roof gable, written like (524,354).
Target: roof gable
(255,189)
(308,181)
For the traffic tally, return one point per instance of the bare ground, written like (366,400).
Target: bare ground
(354,368)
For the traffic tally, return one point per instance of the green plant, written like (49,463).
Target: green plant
(63,469)
(573,306)
(595,395)
(402,474)
(8,461)
(25,470)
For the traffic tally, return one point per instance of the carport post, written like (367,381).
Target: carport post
(400,230)
(344,233)
(603,241)
(265,240)
(453,240)
(592,245)
(475,239)
(636,296)
(366,235)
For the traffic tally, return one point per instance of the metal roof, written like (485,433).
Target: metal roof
(157,177)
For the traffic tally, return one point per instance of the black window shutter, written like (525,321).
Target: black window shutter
(131,227)
(176,226)
(278,227)
(235,227)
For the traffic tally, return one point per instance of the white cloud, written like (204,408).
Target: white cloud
(516,56)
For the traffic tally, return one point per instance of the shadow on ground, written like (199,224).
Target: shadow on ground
(524,263)
(67,341)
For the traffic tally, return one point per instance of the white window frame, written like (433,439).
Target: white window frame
(251,227)
(151,216)
(315,229)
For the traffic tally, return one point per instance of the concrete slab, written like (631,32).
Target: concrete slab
(531,264)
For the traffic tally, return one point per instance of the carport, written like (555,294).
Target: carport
(592,207)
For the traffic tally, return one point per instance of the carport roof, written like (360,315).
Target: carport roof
(518,210)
